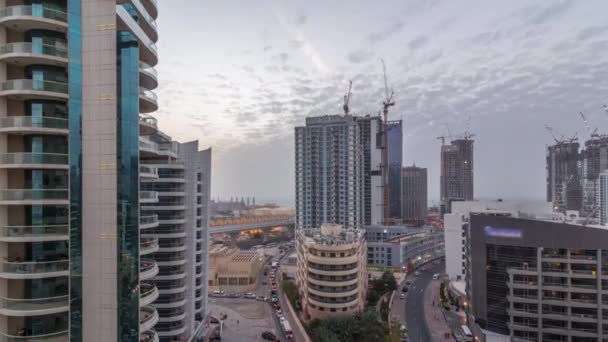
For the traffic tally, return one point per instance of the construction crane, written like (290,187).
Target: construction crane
(347,98)
(553,132)
(592,132)
(386,104)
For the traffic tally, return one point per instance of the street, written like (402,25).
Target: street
(410,311)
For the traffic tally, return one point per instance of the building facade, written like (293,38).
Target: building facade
(602,197)
(456,180)
(331,271)
(338,177)
(394,131)
(564,187)
(594,160)
(77,80)
(234,270)
(406,252)
(532,280)
(414,196)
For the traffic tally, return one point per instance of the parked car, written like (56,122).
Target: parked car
(436,276)
(402,296)
(268,336)
(262,299)
(250,295)
(279,312)
(274,299)
(404,289)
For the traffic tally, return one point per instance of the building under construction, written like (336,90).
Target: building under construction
(456,172)
(594,160)
(564,187)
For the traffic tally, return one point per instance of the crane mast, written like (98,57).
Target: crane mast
(386,104)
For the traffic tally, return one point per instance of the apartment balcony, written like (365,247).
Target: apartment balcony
(148,317)
(333,260)
(148,172)
(34,197)
(34,125)
(34,307)
(24,53)
(26,89)
(58,336)
(174,219)
(337,306)
(148,221)
(27,160)
(35,233)
(148,269)
(148,293)
(151,7)
(34,269)
(333,283)
(164,206)
(148,77)
(25,18)
(148,125)
(168,329)
(333,293)
(172,247)
(148,336)
(148,246)
(148,101)
(148,197)
(169,301)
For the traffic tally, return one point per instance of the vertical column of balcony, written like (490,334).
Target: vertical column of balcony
(34,229)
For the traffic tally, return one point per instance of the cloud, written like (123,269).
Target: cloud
(282,57)
(301,20)
(540,15)
(394,27)
(417,42)
(591,32)
(296,44)
(267,48)
(360,56)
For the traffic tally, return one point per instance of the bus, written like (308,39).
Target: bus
(468,336)
(287,330)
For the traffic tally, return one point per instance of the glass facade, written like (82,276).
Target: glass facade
(75,143)
(128,187)
(395,161)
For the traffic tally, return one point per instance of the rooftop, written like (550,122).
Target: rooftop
(332,234)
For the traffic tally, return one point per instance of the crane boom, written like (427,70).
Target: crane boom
(347,99)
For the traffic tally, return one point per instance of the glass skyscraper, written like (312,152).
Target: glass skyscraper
(87,181)
(394,131)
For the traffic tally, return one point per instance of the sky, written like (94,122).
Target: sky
(240,75)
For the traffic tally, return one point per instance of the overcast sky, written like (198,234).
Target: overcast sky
(240,75)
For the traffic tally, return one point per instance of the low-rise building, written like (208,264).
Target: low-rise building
(331,271)
(407,251)
(234,270)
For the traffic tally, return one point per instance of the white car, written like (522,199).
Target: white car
(402,296)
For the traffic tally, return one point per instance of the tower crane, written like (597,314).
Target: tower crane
(386,104)
(553,132)
(592,132)
(347,99)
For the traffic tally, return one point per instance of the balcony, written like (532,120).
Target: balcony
(148,101)
(148,317)
(151,7)
(148,77)
(34,125)
(34,269)
(34,307)
(148,221)
(148,246)
(147,269)
(148,197)
(27,160)
(148,172)
(25,18)
(171,328)
(147,125)
(148,336)
(34,197)
(35,233)
(59,336)
(24,53)
(148,293)
(26,89)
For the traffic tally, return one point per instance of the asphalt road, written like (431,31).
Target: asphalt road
(417,328)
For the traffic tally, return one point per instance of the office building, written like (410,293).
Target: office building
(338,171)
(407,251)
(77,76)
(534,280)
(234,270)
(564,187)
(456,183)
(594,160)
(414,198)
(394,131)
(331,271)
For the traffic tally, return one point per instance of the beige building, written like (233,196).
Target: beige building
(331,271)
(234,270)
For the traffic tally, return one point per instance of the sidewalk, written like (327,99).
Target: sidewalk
(434,314)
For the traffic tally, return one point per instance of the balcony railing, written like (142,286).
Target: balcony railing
(152,121)
(34,231)
(44,12)
(28,194)
(38,49)
(38,85)
(148,94)
(147,68)
(49,337)
(34,267)
(34,304)
(149,219)
(33,122)
(33,158)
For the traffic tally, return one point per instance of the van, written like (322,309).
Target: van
(468,336)
(436,276)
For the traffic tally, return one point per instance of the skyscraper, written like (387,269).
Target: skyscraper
(564,188)
(76,79)
(338,175)
(456,172)
(602,198)
(594,160)
(414,195)
(394,131)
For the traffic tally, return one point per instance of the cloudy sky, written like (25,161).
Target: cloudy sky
(240,75)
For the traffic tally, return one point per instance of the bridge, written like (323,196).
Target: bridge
(254,224)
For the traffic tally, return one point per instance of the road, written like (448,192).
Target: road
(410,311)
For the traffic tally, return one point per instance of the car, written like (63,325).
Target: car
(233,295)
(408,282)
(402,327)
(417,273)
(250,295)
(264,283)
(277,306)
(274,299)
(268,336)
(404,289)
(282,319)
(261,299)
(279,312)
(402,296)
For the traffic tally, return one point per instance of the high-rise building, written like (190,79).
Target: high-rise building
(534,280)
(331,249)
(338,171)
(594,160)
(77,76)
(414,195)
(394,131)
(602,197)
(456,172)
(564,188)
